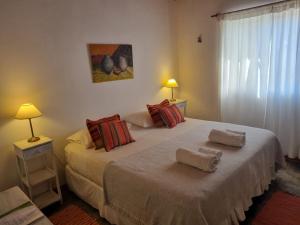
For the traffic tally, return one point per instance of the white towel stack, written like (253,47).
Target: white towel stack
(228,137)
(200,160)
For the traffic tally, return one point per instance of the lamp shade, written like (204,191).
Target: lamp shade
(27,111)
(171,83)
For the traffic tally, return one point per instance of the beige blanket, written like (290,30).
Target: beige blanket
(150,188)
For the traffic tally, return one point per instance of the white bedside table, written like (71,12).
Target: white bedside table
(181,104)
(41,151)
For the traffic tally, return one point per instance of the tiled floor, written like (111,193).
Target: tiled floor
(70,198)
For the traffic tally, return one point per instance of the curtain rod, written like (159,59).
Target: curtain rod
(255,7)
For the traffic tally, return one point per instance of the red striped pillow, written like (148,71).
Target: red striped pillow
(93,127)
(171,115)
(154,112)
(115,134)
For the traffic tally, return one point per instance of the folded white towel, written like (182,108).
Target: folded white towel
(211,151)
(227,138)
(205,162)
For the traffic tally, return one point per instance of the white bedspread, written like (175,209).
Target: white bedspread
(151,188)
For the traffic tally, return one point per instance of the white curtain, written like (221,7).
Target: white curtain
(260,71)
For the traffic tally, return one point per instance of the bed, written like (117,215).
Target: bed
(141,183)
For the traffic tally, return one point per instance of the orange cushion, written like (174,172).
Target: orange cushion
(94,129)
(115,133)
(154,112)
(171,115)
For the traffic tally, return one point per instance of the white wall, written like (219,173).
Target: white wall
(44,60)
(198,62)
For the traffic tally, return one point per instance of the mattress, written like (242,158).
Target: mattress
(91,163)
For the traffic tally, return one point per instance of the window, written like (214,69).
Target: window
(260,70)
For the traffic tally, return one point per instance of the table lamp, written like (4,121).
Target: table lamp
(171,83)
(28,111)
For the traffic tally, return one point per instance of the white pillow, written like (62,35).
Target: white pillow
(141,119)
(82,137)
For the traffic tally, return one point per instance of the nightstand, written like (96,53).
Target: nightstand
(41,153)
(181,104)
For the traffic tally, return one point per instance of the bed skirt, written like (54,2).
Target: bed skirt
(237,215)
(93,194)
(85,189)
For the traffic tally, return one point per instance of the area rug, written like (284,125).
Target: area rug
(281,209)
(72,215)
(288,180)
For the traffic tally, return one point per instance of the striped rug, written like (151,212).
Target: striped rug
(72,215)
(280,209)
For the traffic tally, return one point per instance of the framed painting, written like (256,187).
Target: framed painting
(111,62)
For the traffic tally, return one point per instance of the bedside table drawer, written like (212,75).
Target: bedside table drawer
(27,154)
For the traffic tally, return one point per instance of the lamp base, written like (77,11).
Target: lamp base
(33,139)
(173,100)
